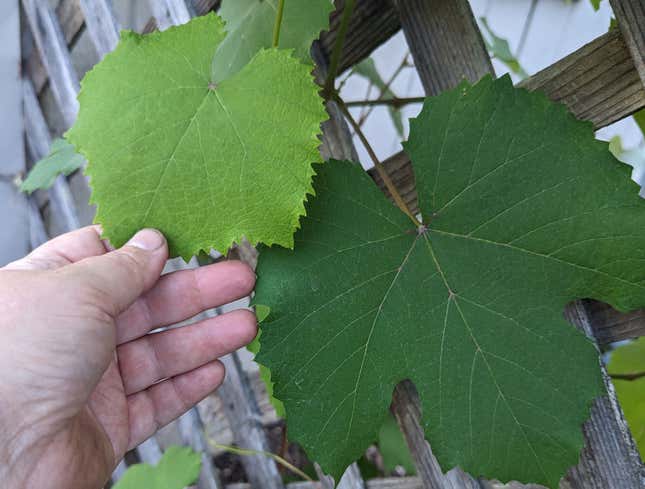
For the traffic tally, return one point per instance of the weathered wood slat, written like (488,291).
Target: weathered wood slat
(101,25)
(38,142)
(55,56)
(192,433)
(441,32)
(245,420)
(610,325)
(631,20)
(598,82)
(385,483)
(406,408)
(609,458)
(373,22)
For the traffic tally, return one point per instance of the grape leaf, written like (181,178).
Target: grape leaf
(250,27)
(205,163)
(629,359)
(61,160)
(179,467)
(525,212)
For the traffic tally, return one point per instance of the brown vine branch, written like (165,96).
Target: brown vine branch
(397,102)
(377,164)
(629,376)
(328,90)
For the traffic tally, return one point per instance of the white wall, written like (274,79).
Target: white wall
(14,220)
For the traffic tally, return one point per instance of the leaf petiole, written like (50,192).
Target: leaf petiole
(377,164)
(278,23)
(328,91)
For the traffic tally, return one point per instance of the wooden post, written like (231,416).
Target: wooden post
(55,56)
(631,20)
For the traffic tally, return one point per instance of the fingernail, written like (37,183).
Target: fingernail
(147,239)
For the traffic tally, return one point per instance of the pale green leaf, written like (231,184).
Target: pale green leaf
(250,27)
(393,448)
(265,373)
(205,163)
(500,49)
(639,117)
(367,69)
(525,212)
(61,160)
(179,467)
(630,359)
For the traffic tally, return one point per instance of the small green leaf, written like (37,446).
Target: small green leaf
(367,69)
(499,48)
(393,448)
(206,163)
(639,117)
(179,467)
(595,4)
(525,211)
(262,312)
(249,24)
(265,373)
(61,160)
(628,359)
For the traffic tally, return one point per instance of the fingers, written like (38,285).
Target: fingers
(157,406)
(63,250)
(181,295)
(162,355)
(116,279)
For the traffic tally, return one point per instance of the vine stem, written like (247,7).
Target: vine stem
(377,164)
(396,101)
(328,90)
(247,452)
(630,376)
(278,23)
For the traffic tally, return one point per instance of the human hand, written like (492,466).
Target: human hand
(81,380)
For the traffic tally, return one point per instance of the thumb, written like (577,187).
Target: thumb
(121,276)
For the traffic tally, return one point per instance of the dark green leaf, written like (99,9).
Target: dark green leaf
(526,212)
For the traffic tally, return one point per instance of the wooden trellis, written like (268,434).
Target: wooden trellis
(603,82)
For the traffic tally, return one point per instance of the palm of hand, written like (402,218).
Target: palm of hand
(88,379)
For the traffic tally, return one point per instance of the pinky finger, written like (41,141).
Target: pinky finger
(151,409)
